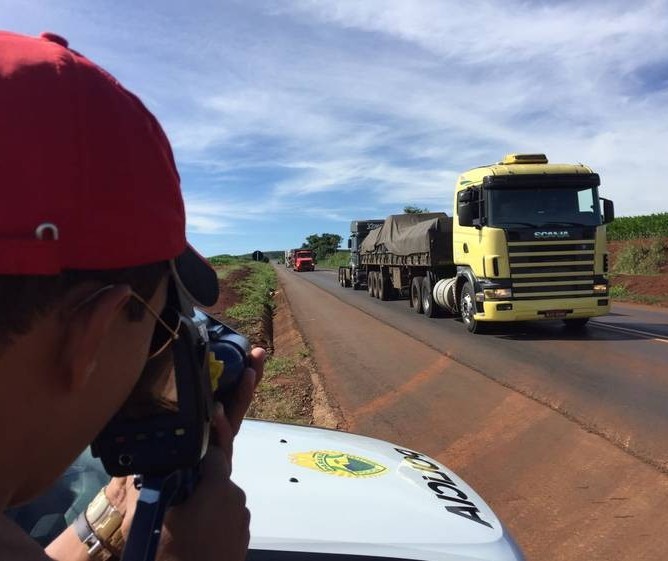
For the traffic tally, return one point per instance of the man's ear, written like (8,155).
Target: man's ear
(86,331)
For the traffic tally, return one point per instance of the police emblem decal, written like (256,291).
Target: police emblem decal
(338,463)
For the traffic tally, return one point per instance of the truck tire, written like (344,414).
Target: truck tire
(575,324)
(383,286)
(376,284)
(429,307)
(416,294)
(467,309)
(369,283)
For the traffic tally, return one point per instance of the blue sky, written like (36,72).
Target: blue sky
(294,117)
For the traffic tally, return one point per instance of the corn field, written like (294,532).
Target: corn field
(632,227)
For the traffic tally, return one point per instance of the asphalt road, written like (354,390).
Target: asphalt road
(564,434)
(611,378)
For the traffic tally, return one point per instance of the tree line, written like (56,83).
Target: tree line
(325,245)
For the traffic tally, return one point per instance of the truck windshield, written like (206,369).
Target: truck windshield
(543,206)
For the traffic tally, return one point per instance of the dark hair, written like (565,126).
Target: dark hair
(23,299)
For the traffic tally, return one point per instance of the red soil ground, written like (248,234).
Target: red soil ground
(652,286)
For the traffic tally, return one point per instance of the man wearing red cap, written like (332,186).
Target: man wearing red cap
(92,230)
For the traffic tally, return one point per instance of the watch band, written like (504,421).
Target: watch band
(99,529)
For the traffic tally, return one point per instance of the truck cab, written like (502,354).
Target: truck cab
(304,260)
(355,275)
(529,241)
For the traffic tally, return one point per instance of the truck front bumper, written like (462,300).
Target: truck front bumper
(531,310)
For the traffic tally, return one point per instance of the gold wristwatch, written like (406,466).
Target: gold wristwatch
(99,529)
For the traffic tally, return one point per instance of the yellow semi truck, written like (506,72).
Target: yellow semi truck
(527,242)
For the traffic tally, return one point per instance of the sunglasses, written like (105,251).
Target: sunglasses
(167,326)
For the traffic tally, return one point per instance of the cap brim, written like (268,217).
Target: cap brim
(196,277)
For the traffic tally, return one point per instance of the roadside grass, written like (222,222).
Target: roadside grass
(280,397)
(338,259)
(227,264)
(640,259)
(621,293)
(224,259)
(256,292)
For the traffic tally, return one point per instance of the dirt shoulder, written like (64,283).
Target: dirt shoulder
(290,391)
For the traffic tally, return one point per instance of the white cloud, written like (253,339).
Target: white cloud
(277,107)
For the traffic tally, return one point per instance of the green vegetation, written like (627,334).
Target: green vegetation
(411,209)
(338,259)
(256,291)
(324,245)
(640,259)
(284,393)
(632,227)
(219,260)
(226,264)
(621,293)
(277,398)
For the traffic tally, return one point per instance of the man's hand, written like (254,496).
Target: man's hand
(213,522)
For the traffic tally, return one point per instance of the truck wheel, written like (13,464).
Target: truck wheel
(429,307)
(376,284)
(467,308)
(575,324)
(369,283)
(383,286)
(416,294)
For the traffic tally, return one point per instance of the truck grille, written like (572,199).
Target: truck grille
(552,269)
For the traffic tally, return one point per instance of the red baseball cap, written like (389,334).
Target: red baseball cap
(88,176)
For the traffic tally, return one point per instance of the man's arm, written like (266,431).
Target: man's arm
(192,529)
(68,547)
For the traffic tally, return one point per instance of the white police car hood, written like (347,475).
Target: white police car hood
(318,490)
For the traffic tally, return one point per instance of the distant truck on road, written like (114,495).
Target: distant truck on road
(289,254)
(303,260)
(527,242)
(355,274)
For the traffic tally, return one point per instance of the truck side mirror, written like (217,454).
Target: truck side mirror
(608,211)
(350,243)
(465,213)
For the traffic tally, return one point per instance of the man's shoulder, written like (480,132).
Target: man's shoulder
(16,545)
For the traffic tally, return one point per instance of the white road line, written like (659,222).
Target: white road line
(654,336)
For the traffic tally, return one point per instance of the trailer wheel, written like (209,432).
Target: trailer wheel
(575,324)
(467,309)
(369,283)
(416,294)
(376,284)
(429,307)
(383,286)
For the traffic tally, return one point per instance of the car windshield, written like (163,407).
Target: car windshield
(543,206)
(47,516)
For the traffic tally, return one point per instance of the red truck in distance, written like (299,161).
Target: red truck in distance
(303,260)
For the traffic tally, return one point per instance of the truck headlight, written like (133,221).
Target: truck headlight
(600,288)
(498,293)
